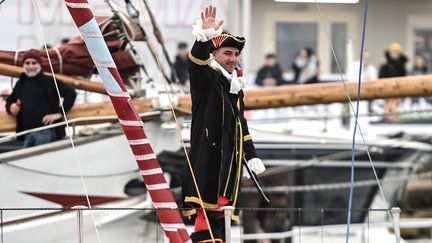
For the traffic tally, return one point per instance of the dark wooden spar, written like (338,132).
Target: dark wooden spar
(282,96)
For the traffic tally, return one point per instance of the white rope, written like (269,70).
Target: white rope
(338,186)
(352,106)
(67,124)
(179,132)
(60,59)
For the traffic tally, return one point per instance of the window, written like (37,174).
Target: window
(338,38)
(423,44)
(291,37)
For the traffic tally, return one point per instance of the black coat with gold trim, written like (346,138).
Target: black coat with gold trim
(220,138)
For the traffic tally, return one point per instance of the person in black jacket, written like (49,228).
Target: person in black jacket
(220,139)
(181,63)
(270,74)
(395,61)
(35,103)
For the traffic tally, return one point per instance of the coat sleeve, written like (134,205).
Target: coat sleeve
(68,95)
(260,77)
(12,98)
(199,60)
(248,145)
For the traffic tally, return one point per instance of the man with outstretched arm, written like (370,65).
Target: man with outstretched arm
(220,139)
(35,103)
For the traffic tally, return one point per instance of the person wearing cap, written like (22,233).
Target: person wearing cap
(394,63)
(220,139)
(35,103)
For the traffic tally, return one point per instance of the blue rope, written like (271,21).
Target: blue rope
(355,127)
(1,1)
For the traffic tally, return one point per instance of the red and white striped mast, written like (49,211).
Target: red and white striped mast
(133,127)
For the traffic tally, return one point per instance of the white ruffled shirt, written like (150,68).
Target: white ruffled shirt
(237,83)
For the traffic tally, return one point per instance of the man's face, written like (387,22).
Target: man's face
(270,62)
(227,57)
(395,54)
(183,52)
(31,67)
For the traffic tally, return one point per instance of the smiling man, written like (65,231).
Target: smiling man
(220,139)
(35,103)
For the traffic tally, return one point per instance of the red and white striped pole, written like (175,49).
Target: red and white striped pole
(160,193)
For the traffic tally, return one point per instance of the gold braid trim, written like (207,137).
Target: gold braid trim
(188,213)
(199,61)
(247,138)
(215,240)
(197,201)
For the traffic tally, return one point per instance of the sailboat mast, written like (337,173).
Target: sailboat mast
(160,193)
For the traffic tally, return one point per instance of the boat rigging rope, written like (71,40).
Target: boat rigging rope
(133,126)
(160,39)
(132,172)
(151,48)
(179,132)
(178,129)
(69,129)
(354,110)
(1,1)
(123,28)
(356,113)
(339,185)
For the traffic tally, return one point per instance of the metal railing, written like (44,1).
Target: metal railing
(73,123)
(46,221)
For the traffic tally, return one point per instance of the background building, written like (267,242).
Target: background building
(283,28)
(269,26)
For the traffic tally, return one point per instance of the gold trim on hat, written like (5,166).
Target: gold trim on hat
(235,38)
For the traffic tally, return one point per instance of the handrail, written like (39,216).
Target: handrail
(404,224)
(73,121)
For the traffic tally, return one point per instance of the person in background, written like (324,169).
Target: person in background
(35,103)
(271,73)
(420,65)
(181,63)
(394,63)
(393,66)
(306,67)
(369,71)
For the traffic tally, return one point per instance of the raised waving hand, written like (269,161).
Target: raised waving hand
(208,18)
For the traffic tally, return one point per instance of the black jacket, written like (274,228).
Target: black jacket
(48,84)
(269,72)
(220,138)
(181,69)
(393,68)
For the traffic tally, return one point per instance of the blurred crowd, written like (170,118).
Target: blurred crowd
(305,68)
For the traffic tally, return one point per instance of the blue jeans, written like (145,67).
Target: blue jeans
(39,137)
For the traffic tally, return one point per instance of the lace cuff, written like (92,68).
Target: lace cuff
(203,35)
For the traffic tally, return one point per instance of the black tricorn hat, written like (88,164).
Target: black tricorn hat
(228,40)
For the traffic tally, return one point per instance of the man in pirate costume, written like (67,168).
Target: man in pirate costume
(220,139)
